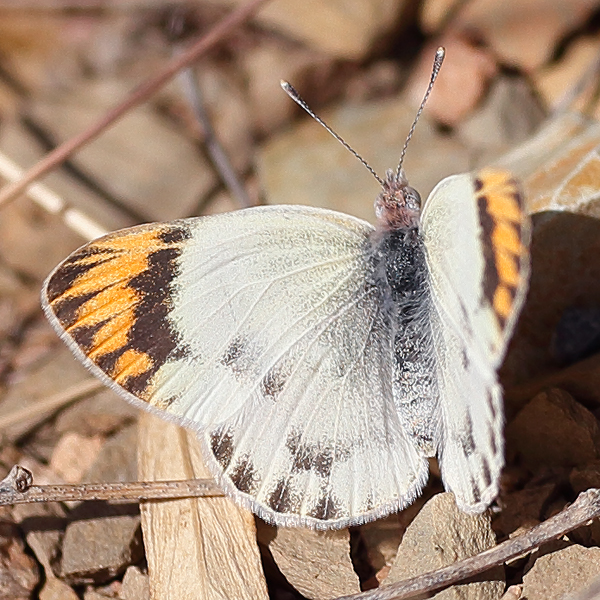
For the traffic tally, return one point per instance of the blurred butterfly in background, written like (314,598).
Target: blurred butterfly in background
(320,360)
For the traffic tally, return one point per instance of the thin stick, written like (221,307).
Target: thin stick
(216,152)
(584,509)
(139,95)
(17,488)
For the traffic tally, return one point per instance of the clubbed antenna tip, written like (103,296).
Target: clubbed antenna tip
(440,54)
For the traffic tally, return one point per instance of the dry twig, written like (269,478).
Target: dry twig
(139,95)
(17,488)
(584,509)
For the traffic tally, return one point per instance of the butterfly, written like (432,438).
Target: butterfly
(320,360)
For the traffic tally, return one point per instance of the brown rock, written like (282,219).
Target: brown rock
(18,571)
(266,64)
(556,79)
(33,241)
(57,589)
(523,33)
(581,380)
(440,535)
(514,592)
(522,509)
(135,585)
(43,525)
(554,430)
(117,459)
(344,30)
(380,539)
(124,158)
(585,477)
(99,414)
(510,113)
(98,549)
(316,563)
(562,572)
(74,455)
(55,375)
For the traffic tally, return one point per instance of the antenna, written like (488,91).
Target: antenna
(295,96)
(437,65)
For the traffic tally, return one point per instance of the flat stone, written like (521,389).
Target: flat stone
(509,114)
(136,585)
(440,535)
(19,573)
(57,589)
(554,430)
(522,509)
(43,525)
(347,29)
(561,573)
(142,160)
(316,563)
(58,372)
(555,80)
(98,549)
(74,455)
(117,459)
(584,477)
(523,33)
(99,414)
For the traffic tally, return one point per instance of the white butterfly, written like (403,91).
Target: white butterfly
(320,360)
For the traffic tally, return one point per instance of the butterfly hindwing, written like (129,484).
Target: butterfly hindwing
(259,330)
(476,237)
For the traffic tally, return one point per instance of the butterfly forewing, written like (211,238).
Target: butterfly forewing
(258,329)
(478,282)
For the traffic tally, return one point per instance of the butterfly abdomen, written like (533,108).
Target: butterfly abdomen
(400,273)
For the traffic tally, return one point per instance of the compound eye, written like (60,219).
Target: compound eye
(412,198)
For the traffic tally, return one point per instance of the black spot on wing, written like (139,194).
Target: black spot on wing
(281,499)
(317,458)
(465,359)
(466,439)
(273,382)
(486,473)
(175,235)
(234,351)
(244,476)
(476,492)
(221,443)
(241,356)
(491,404)
(327,508)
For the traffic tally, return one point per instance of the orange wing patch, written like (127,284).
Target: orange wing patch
(504,239)
(113,296)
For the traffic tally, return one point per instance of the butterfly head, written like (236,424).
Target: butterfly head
(398,205)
